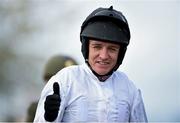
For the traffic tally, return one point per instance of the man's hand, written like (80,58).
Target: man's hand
(52,104)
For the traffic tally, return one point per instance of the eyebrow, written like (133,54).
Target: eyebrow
(95,43)
(112,45)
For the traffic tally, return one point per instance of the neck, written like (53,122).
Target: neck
(101,78)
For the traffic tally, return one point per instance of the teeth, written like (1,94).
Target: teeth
(103,63)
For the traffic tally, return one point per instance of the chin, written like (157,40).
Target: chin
(102,73)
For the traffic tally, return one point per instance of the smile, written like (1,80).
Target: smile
(102,63)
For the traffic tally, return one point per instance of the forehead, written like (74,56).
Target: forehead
(98,42)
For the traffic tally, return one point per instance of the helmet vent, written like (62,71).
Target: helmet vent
(111,15)
(111,8)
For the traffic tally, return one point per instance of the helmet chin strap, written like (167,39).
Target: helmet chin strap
(101,78)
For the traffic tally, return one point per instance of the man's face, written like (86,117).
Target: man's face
(102,56)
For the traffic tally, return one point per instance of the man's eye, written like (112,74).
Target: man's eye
(96,47)
(113,49)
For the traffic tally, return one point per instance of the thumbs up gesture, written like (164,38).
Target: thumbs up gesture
(52,104)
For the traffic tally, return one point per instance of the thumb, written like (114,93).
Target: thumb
(56,88)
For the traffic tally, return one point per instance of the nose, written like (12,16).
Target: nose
(104,53)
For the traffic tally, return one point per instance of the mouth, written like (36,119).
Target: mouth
(103,63)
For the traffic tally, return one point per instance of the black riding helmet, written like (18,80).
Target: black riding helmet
(105,24)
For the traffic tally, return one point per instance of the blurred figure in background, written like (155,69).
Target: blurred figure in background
(53,65)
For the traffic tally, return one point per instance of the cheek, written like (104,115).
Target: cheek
(115,57)
(92,55)
(91,58)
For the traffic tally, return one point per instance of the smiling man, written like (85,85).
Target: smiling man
(95,91)
(102,56)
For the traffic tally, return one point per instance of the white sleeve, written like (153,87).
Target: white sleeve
(138,113)
(48,90)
